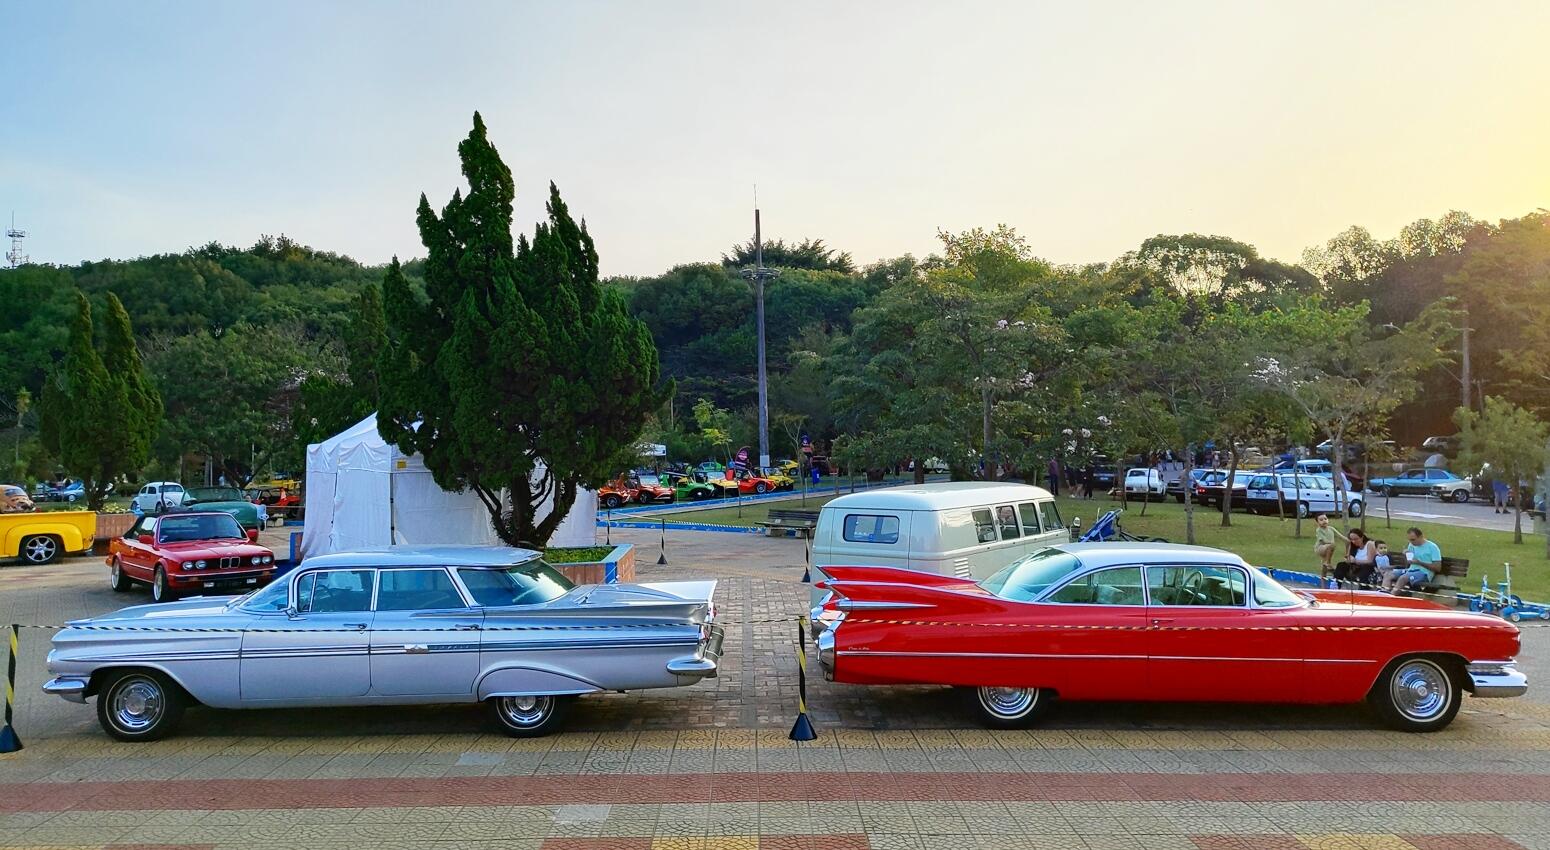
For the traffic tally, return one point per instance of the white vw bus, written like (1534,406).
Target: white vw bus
(969,529)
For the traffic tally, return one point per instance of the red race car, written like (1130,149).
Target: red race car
(1153,621)
(179,554)
(750,482)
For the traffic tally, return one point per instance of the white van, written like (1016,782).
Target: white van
(969,529)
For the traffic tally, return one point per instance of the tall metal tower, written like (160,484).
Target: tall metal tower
(15,257)
(759,274)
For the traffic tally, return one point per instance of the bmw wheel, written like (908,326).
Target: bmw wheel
(530,716)
(139,705)
(116,578)
(40,549)
(161,588)
(1007,708)
(1417,694)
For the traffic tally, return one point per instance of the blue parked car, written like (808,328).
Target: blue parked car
(1422,482)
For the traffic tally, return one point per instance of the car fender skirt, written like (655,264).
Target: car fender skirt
(531,681)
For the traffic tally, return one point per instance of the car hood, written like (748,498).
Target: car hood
(220,506)
(169,614)
(214,549)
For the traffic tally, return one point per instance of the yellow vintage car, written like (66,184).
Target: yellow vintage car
(41,536)
(779,477)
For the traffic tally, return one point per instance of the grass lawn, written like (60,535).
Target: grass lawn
(1261,540)
(1269,541)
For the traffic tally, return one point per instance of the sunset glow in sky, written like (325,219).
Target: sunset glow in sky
(140,128)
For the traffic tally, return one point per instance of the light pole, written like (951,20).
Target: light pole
(759,274)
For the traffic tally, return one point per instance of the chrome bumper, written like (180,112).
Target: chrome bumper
(72,688)
(1497,679)
(703,664)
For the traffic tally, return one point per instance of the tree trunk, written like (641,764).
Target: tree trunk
(1189,497)
(1366,476)
(920,472)
(1388,515)
(1517,520)
(1297,494)
(1337,477)
(1232,473)
(1464,399)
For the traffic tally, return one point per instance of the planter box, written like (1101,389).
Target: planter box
(113,525)
(618,566)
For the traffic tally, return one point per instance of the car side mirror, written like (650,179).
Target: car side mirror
(291,613)
(252,535)
(146,539)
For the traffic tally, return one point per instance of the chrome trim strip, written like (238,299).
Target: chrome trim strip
(887,654)
(1496,679)
(874,605)
(71,688)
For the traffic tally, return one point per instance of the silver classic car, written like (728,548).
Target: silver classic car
(392,626)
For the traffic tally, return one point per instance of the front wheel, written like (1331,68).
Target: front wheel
(612,500)
(760,488)
(40,549)
(1355,508)
(139,706)
(116,578)
(529,716)
(1303,511)
(161,589)
(1417,694)
(1007,708)
(1460,496)
(698,495)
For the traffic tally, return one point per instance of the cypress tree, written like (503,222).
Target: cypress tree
(517,377)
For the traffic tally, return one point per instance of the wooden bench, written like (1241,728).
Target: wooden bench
(1450,570)
(790,523)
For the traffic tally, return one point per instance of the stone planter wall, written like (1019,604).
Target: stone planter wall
(617,567)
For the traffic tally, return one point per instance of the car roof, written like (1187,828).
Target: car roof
(936,497)
(1116,553)
(426,556)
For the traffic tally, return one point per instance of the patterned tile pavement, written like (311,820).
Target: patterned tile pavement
(709,767)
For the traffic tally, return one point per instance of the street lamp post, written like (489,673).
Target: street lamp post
(758,275)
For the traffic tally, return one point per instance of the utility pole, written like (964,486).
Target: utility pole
(759,274)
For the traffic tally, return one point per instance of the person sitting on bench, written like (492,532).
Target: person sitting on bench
(1357,568)
(1424,559)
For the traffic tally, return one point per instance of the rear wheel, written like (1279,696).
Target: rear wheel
(1417,694)
(139,706)
(612,500)
(698,495)
(1303,510)
(530,716)
(116,578)
(1355,508)
(40,549)
(760,487)
(1007,708)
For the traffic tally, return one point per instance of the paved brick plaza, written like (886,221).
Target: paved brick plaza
(710,767)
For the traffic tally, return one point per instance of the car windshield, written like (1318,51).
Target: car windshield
(528,583)
(212,494)
(1026,578)
(274,596)
(1269,593)
(181,529)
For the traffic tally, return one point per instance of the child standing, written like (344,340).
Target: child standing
(1324,544)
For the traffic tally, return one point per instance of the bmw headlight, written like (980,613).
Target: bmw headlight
(268,559)
(199,565)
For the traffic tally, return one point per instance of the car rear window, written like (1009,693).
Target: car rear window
(529,583)
(1027,577)
(871,528)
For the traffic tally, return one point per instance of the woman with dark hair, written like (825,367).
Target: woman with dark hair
(1358,567)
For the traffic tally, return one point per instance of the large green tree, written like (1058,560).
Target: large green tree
(1506,443)
(517,376)
(100,409)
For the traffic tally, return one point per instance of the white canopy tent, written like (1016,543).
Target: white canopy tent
(364,492)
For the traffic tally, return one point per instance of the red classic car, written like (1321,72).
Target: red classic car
(751,482)
(1153,621)
(180,554)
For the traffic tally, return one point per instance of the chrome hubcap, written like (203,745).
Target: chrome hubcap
(1420,690)
(137,704)
(1008,702)
(525,711)
(40,549)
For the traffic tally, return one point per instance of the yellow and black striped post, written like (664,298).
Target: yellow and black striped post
(807,560)
(803,729)
(9,743)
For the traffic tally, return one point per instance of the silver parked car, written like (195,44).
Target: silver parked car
(393,626)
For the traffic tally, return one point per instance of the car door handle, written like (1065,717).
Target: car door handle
(466,627)
(355,625)
(1162,621)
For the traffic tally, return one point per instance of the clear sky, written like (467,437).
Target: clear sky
(136,128)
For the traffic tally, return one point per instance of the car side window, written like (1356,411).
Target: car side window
(1112,586)
(984,525)
(335,591)
(417,590)
(1262,482)
(1436,474)
(1204,585)
(871,528)
(149,491)
(1028,512)
(1050,515)
(1006,519)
